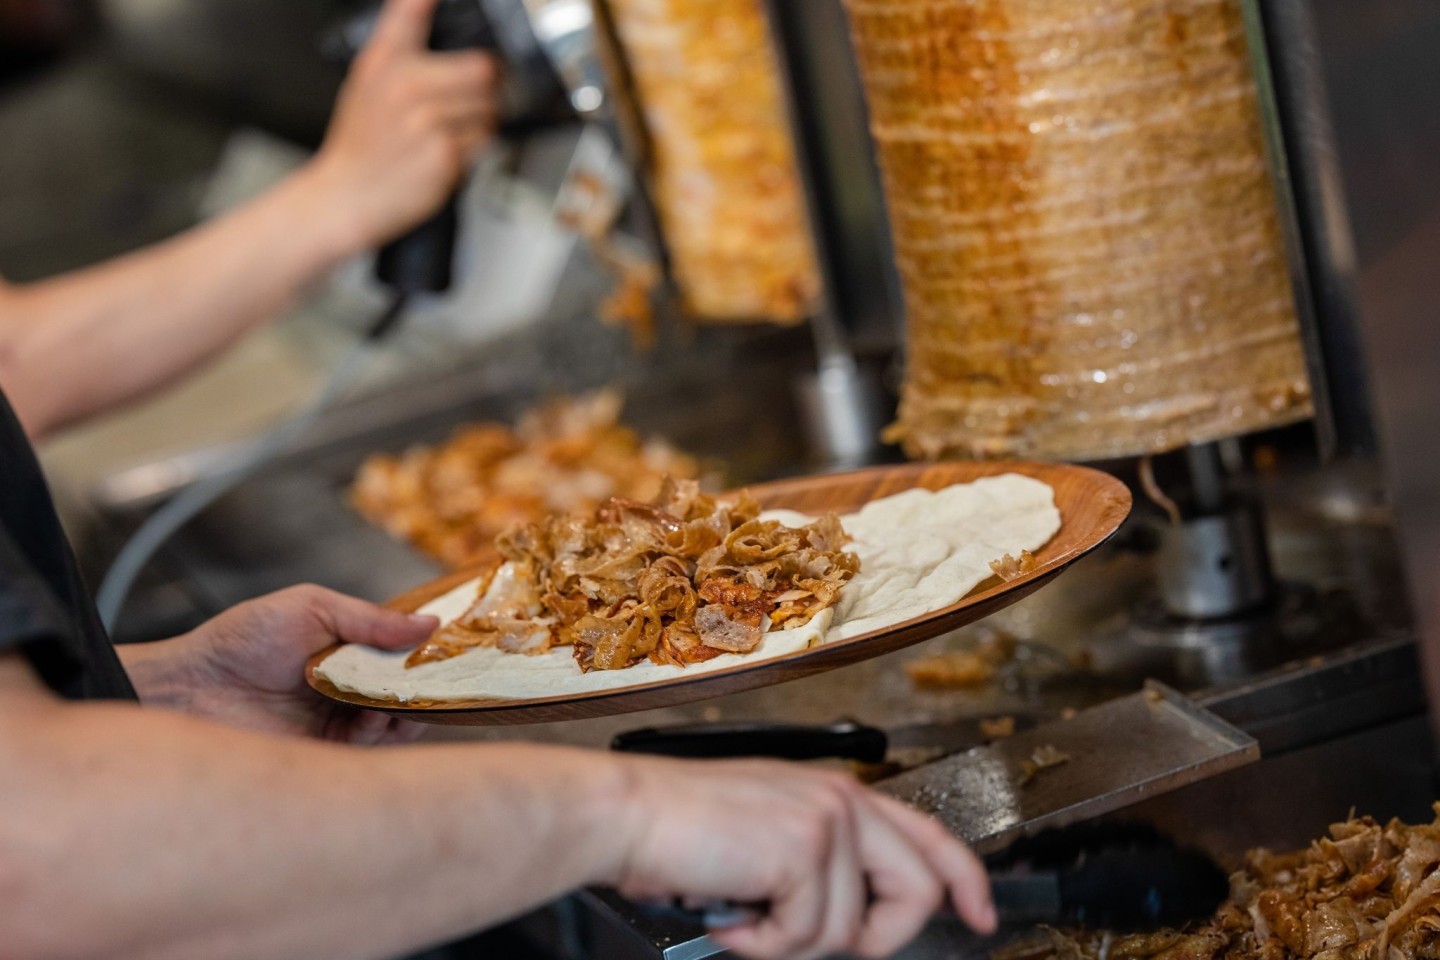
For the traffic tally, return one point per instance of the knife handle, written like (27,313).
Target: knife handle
(846,740)
(1106,876)
(1027,898)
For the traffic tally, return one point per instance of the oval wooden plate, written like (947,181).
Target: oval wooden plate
(1092,506)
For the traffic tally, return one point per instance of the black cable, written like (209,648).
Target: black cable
(388,318)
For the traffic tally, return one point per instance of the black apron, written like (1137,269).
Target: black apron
(46,614)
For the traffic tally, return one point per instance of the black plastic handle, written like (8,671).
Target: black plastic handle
(423,260)
(846,740)
(1019,898)
(1106,886)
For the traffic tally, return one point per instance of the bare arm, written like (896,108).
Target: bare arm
(77,344)
(156,835)
(405,127)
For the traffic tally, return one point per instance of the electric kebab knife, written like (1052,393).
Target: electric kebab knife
(554,72)
(1120,877)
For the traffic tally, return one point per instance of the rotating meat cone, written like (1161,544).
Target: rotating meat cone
(1084,224)
(723,172)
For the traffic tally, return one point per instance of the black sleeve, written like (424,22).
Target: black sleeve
(33,621)
(46,612)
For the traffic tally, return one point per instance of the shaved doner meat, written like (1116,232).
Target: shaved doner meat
(721,160)
(452,500)
(1366,892)
(732,629)
(507,615)
(679,580)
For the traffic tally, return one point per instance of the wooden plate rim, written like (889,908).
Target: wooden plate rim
(1112,516)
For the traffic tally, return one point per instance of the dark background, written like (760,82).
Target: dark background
(113,113)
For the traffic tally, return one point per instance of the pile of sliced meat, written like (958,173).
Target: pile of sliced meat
(452,500)
(678,580)
(1366,892)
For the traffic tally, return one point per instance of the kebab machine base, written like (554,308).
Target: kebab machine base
(1216,612)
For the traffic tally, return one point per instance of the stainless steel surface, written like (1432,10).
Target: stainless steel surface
(289,528)
(366,422)
(566,31)
(1216,566)
(1309,704)
(845,404)
(1326,238)
(1209,477)
(1277,154)
(1118,752)
(862,304)
(952,736)
(1379,68)
(1220,615)
(1340,585)
(844,408)
(660,937)
(1298,623)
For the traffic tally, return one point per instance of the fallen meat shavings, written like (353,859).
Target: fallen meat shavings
(629,306)
(1043,758)
(997,728)
(679,580)
(963,669)
(1007,568)
(1364,892)
(591,207)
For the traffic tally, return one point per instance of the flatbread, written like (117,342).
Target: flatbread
(919,551)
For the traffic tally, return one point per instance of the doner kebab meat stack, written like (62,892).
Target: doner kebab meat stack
(1084,223)
(722,167)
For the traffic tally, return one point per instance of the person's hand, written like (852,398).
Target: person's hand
(246,666)
(843,869)
(407,125)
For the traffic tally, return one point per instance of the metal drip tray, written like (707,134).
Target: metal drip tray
(1115,754)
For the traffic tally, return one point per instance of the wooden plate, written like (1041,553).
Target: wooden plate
(1092,506)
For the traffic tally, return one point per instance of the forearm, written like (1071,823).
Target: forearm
(157,836)
(86,341)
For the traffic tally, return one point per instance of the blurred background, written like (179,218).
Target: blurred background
(125,121)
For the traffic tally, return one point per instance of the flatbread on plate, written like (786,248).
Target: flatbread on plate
(919,551)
